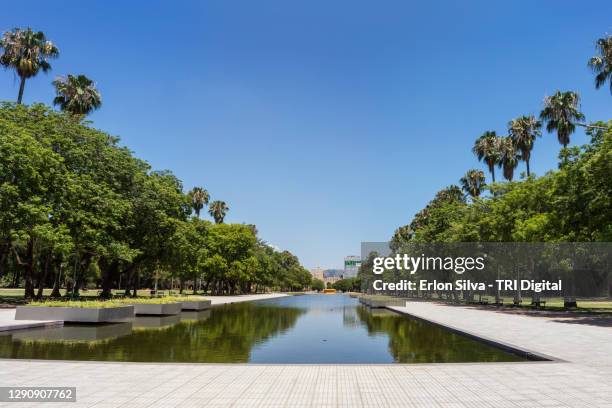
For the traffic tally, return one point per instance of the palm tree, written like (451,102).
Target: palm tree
(486,149)
(199,198)
(217,210)
(602,64)
(473,182)
(560,114)
(523,131)
(27,52)
(76,94)
(508,159)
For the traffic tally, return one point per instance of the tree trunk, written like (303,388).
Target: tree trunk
(129,272)
(493,173)
(527,163)
(21,88)
(55,293)
(29,272)
(108,273)
(135,287)
(4,251)
(43,278)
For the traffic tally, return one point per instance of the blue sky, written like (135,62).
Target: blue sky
(323,123)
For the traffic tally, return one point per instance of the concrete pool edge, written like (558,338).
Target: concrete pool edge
(530,355)
(406,365)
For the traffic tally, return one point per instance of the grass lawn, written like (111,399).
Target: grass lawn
(552,304)
(556,304)
(13,296)
(82,304)
(382,297)
(93,304)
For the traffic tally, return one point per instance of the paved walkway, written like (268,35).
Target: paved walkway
(8,322)
(584,340)
(582,380)
(220,300)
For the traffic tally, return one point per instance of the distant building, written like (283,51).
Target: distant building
(317,273)
(330,280)
(351,266)
(333,273)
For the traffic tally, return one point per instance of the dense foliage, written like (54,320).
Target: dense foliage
(76,208)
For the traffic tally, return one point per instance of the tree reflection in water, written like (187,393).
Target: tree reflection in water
(226,336)
(415,341)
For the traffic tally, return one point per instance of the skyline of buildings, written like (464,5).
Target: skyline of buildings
(351,268)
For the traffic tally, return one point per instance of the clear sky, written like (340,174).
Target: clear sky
(325,123)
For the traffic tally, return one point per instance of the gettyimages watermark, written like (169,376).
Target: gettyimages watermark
(500,269)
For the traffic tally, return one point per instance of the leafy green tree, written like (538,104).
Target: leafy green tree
(561,115)
(347,285)
(218,210)
(473,182)
(523,131)
(433,223)
(76,94)
(486,148)
(199,198)
(601,64)
(187,251)
(27,52)
(317,284)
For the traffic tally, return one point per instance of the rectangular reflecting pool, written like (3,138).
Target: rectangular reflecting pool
(295,329)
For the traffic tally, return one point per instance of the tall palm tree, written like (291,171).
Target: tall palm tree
(561,114)
(508,158)
(523,131)
(76,94)
(602,64)
(473,182)
(27,52)
(486,149)
(218,210)
(199,198)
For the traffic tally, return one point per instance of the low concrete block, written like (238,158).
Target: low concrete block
(373,303)
(76,314)
(77,332)
(157,309)
(195,304)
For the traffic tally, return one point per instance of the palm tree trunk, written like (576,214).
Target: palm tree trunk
(493,173)
(527,163)
(21,88)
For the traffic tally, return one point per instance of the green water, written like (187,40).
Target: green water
(296,329)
